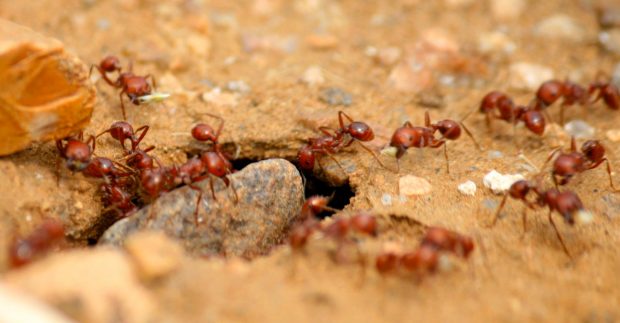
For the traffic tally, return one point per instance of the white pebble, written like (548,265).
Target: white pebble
(560,26)
(313,76)
(528,76)
(386,199)
(507,9)
(467,188)
(413,185)
(579,129)
(500,183)
(584,217)
(495,42)
(613,135)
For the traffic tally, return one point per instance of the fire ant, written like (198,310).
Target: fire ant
(409,136)
(565,203)
(76,152)
(331,143)
(566,165)
(122,130)
(608,92)
(425,259)
(533,118)
(41,240)
(132,85)
(571,93)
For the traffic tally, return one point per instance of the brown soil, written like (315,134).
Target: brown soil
(192,46)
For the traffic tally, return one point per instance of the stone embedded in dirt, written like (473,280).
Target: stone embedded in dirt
(467,188)
(507,9)
(322,41)
(579,129)
(412,79)
(528,76)
(496,42)
(336,96)
(561,27)
(413,185)
(270,197)
(613,135)
(313,75)
(95,285)
(16,306)
(610,40)
(500,183)
(154,254)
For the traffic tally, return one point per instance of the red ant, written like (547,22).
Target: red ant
(571,93)
(41,240)
(566,203)
(409,136)
(331,143)
(533,118)
(132,85)
(566,165)
(76,152)
(608,92)
(121,131)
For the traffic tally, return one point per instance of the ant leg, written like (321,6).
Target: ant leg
(372,153)
(93,143)
(212,189)
(340,114)
(562,113)
(325,130)
(229,183)
(427,119)
(152,80)
(524,219)
(469,134)
(499,210)
(573,144)
(120,96)
(611,181)
(196,188)
(445,153)
(144,130)
(557,233)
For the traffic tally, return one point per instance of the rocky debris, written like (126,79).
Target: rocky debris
(405,77)
(336,96)
(19,307)
(219,98)
(610,40)
(413,185)
(31,112)
(270,196)
(579,129)
(388,56)
(467,188)
(96,285)
(154,254)
(528,76)
(499,183)
(238,86)
(507,9)
(313,75)
(561,27)
(496,42)
(613,135)
(322,41)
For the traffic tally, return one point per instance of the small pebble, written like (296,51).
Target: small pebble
(528,76)
(495,154)
(405,77)
(219,98)
(610,40)
(238,86)
(496,42)
(613,135)
(579,129)
(507,9)
(500,183)
(560,27)
(154,254)
(386,199)
(388,56)
(313,75)
(467,188)
(336,96)
(322,41)
(413,185)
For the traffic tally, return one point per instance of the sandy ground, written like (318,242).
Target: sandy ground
(192,47)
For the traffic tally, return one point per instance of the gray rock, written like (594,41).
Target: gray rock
(270,198)
(336,96)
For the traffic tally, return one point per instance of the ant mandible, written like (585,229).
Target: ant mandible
(566,203)
(331,143)
(132,85)
(409,136)
(566,165)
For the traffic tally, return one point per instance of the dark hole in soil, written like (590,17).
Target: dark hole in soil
(91,241)
(341,195)
(239,164)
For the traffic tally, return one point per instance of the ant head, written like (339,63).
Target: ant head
(404,138)
(152,181)
(611,95)
(549,92)
(386,262)
(466,245)
(449,129)
(568,203)
(120,130)
(305,158)
(535,121)
(519,189)
(360,131)
(510,112)
(78,155)
(491,100)
(215,163)
(99,167)
(316,204)
(204,132)
(365,223)
(593,150)
(141,160)
(110,64)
